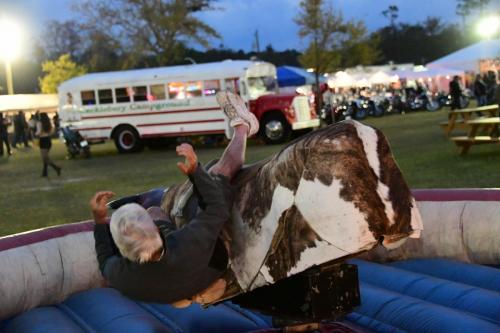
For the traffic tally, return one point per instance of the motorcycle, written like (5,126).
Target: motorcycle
(326,114)
(376,106)
(74,142)
(424,101)
(445,100)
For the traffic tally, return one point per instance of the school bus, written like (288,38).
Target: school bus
(133,105)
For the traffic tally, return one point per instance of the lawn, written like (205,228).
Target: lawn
(27,201)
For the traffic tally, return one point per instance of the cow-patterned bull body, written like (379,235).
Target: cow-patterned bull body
(332,193)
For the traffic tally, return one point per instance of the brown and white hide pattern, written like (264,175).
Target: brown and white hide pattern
(334,192)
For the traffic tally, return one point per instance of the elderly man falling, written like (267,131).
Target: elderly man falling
(155,261)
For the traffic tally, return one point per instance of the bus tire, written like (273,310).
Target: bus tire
(127,140)
(275,129)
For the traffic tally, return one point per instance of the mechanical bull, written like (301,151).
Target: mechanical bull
(330,194)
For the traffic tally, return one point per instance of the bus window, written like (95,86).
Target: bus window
(243,88)
(157,92)
(140,93)
(261,85)
(105,96)
(122,95)
(88,97)
(176,90)
(211,87)
(193,89)
(232,85)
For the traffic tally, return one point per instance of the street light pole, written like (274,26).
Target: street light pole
(10,44)
(8,77)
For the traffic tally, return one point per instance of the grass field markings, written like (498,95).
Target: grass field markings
(55,184)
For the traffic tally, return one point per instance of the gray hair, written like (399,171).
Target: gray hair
(134,232)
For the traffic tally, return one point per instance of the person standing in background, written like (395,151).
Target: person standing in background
(20,129)
(4,135)
(44,131)
(455,92)
(57,122)
(480,91)
(32,127)
(490,81)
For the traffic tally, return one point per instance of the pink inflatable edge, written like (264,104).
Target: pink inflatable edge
(457,194)
(35,236)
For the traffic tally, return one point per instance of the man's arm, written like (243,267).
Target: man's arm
(104,246)
(209,189)
(199,236)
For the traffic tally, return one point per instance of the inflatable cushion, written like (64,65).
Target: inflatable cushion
(394,299)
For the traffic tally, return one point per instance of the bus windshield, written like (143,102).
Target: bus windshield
(261,85)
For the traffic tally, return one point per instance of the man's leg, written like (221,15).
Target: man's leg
(234,156)
(244,124)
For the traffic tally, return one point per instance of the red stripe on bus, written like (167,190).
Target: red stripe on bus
(147,113)
(182,133)
(93,128)
(183,122)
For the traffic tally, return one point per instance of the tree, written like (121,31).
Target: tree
(58,71)
(150,29)
(359,48)
(463,10)
(466,7)
(62,38)
(333,43)
(392,13)
(420,42)
(323,27)
(102,53)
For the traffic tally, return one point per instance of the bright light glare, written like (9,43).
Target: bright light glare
(10,39)
(488,26)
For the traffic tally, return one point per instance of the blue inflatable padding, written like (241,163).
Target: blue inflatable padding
(46,319)
(100,309)
(483,303)
(106,310)
(414,315)
(371,323)
(225,317)
(394,299)
(475,275)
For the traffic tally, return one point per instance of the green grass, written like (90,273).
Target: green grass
(27,201)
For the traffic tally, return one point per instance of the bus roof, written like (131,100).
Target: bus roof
(213,70)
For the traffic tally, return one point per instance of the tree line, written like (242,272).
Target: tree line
(126,34)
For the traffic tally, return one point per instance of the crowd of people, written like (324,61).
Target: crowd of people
(484,88)
(39,128)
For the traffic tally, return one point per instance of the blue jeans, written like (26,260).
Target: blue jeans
(481,100)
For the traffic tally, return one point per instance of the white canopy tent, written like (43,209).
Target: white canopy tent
(341,79)
(427,73)
(469,58)
(362,82)
(33,102)
(381,77)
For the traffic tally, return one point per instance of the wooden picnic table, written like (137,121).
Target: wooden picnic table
(487,127)
(467,115)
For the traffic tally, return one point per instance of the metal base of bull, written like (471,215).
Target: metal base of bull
(329,291)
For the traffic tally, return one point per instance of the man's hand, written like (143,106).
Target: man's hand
(98,206)
(191,163)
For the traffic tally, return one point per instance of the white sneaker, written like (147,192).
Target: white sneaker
(235,109)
